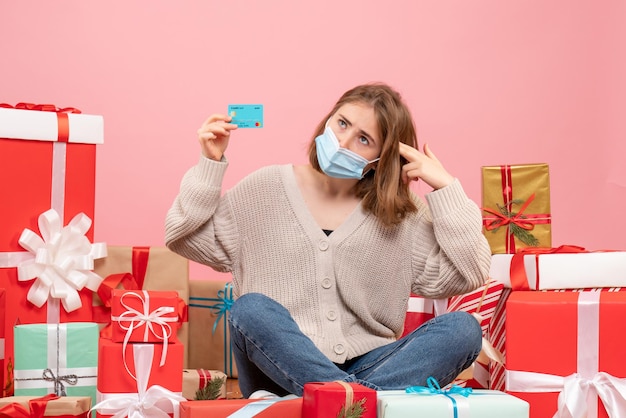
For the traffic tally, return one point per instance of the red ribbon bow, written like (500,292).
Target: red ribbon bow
(36,409)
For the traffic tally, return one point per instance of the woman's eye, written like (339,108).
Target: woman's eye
(364,140)
(342,123)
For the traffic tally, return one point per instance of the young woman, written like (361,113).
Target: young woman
(324,256)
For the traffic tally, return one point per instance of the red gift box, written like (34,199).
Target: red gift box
(145,316)
(131,374)
(47,161)
(560,344)
(326,399)
(261,408)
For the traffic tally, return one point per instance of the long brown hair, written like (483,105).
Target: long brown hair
(382,190)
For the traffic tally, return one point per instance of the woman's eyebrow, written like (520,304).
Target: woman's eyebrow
(347,121)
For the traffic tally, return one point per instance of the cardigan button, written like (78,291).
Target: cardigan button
(331,315)
(323,245)
(339,349)
(326,283)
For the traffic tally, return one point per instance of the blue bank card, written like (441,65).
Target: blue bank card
(246,115)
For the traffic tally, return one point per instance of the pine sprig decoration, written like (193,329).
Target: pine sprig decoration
(211,390)
(355,410)
(518,232)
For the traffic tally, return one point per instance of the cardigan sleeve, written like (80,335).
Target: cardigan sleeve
(451,255)
(199,225)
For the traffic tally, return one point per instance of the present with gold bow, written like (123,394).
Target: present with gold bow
(139,268)
(56,358)
(516,207)
(45,406)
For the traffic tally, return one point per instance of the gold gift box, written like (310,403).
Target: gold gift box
(75,406)
(516,207)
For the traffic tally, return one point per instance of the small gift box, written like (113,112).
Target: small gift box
(516,207)
(2,365)
(133,382)
(195,380)
(56,358)
(287,407)
(142,268)
(209,304)
(145,316)
(564,352)
(329,399)
(46,406)
(481,403)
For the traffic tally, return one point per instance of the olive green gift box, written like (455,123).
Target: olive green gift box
(56,358)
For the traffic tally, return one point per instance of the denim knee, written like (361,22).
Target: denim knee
(245,309)
(468,332)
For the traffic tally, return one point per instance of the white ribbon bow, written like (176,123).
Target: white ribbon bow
(153,402)
(61,260)
(138,319)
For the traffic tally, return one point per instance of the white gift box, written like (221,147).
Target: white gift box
(39,125)
(565,270)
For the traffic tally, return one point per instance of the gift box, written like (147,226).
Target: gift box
(146,268)
(198,379)
(58,148)
(133,377)
(328,399)
(563,348)
(145,315)
(50,405)
(516,207)
(481,403)
(2,367)
(209,304)
(565,267)
(56,358)
(116,366)
(286,407)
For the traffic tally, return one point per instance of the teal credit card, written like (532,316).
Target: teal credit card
(246,115)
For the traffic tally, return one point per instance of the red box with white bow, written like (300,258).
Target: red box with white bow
(145,315)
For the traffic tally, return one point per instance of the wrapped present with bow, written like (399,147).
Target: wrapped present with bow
(432,401)
(56,358)
(284,407)
(209,305)
(516,207)
(146,315)
(45,406)
(564,354)
(338,399)
(563,267)
(142,268)
(2,331)
(137,381)
(201,384)
(47,162)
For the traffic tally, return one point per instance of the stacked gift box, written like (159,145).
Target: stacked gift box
(140,367)
(46,253)
(557,321)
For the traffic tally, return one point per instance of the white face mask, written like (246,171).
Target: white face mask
(336,161)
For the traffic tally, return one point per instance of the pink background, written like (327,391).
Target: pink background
(489,83)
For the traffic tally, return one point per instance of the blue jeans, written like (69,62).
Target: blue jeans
(272,353)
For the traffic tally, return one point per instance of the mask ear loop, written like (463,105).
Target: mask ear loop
(370,166)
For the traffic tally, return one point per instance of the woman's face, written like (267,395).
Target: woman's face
(356,128)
